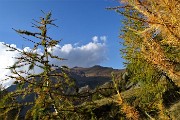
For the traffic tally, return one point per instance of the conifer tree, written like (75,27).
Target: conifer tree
(48,88)
(140,72)
(152,77)
(160,37)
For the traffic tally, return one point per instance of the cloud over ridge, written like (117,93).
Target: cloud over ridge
(87,55)
(83,56)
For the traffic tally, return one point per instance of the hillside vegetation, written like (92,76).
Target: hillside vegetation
(148,89)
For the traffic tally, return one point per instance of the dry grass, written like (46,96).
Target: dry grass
(174,111)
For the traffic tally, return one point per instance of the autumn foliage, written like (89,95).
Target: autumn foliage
(161,19)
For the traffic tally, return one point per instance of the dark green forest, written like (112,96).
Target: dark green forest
(148,89)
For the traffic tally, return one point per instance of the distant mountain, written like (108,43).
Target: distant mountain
(93,76)
(86,78)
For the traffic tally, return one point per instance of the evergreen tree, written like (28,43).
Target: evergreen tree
(160,44)
(148,52)
(48,88)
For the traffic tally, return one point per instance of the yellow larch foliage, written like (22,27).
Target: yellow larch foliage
(160,17)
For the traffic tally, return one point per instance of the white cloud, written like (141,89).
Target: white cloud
(67,48)
(95,39)
(87,55)
(83,56)
(103,38)
(6,60)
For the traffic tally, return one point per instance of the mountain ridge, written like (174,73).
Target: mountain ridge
(93,76)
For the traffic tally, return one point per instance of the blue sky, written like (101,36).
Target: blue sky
(78,20)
